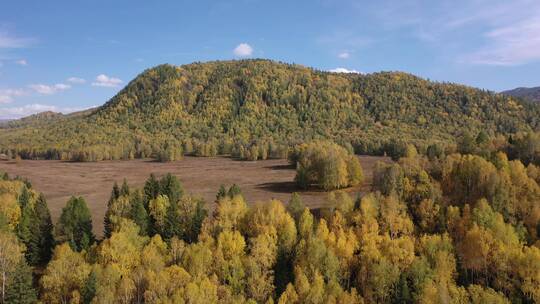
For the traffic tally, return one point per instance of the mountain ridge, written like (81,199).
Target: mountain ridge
(532,94)
(242,102)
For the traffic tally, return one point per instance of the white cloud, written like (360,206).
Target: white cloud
(22,111)
(487,32)
(76,80)
(515,44)
(8,41)
(344,70)
(7,95)
(22,62)
(243,50)
(5,99)
(344,55)
(49,89)
(103,80)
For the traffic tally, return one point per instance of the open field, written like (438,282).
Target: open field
(259,180)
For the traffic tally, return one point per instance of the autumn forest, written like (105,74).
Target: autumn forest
(453,216)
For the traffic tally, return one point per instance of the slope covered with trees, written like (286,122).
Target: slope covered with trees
(255,109)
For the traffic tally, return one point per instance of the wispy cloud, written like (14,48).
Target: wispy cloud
(49,89)
(76,80)
(243,50)
(29,109)
(344,55)
(344,70)
(510,45)
(7,95)
(22,62)
(8,41)
(103,80)
(487,32)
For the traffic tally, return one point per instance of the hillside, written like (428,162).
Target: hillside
(532,94)
(231,103)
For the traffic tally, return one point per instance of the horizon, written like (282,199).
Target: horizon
(71,56)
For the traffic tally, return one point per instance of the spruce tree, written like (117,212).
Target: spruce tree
(171,186)
(89,289)
(234,190)
(222,192)
(75,225)
(24,233)
(151,189)
(124,190)
(115,194)
(139,214)
(42,231)
(172,222)
(24,197)
(20,289)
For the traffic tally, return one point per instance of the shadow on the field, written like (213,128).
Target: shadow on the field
(279,187)
(281,167)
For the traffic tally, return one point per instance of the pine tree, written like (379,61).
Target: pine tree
(124,190)
(172,222)
(20,289)
(24,233)
(42,231)
(403,294)
(115,194)
(89,289)
(139,214)
(234,190)
(171,187)
(75,225)
(24,197)
(222,192)
(151,189)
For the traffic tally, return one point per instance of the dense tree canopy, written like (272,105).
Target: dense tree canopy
(455,218)
(255,109)
(441,229)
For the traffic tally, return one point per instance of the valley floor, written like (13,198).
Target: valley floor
(259,180)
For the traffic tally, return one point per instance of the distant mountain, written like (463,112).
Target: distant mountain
(40,119)
(223,104)
(532,94)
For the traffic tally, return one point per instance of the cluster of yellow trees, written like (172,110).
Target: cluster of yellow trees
(326,165)
(450,229)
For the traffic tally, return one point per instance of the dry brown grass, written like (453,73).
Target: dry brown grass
(259,180)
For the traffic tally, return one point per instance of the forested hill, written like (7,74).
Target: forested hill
(532,94)
(217,106)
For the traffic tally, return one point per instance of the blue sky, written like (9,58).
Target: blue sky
(71,55)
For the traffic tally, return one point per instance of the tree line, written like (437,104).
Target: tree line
(450,228)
